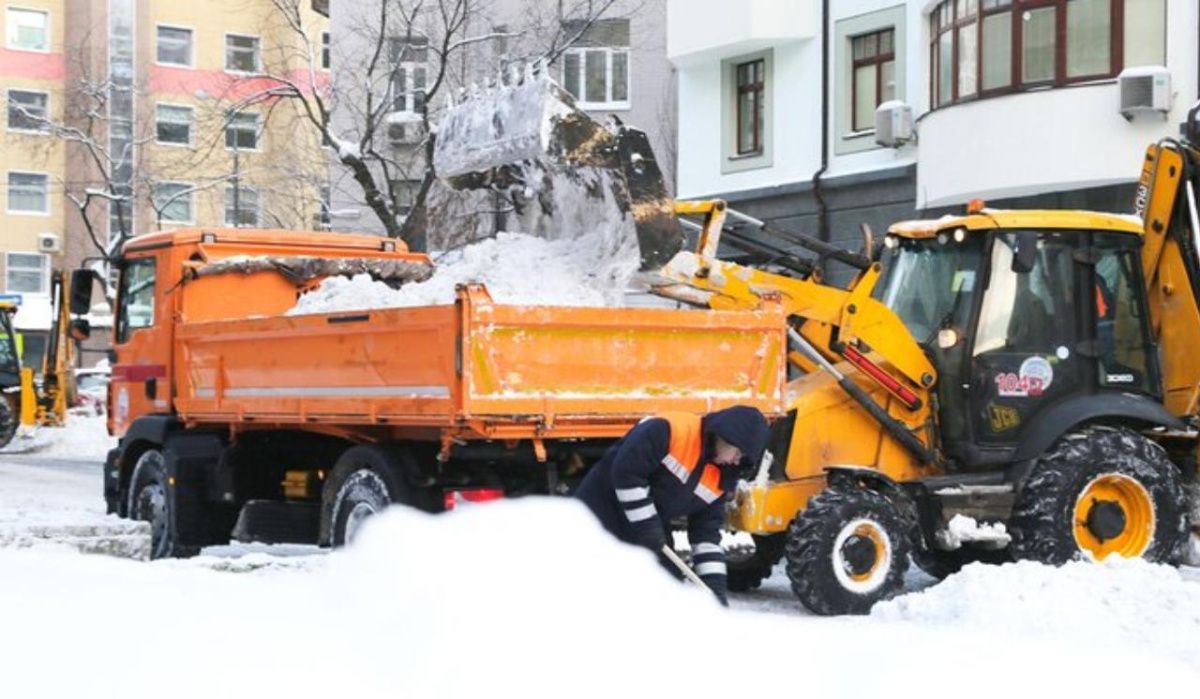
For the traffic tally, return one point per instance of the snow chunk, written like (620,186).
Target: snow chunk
(962,529)
(517,269)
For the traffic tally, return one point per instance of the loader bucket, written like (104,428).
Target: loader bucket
(566,175)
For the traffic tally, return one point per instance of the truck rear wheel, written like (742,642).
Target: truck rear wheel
(846,551)
(148,502)
(1096,492)
(364,482)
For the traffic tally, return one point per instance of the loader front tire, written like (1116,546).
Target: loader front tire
(1099,491)
(747,569)
(364,482)
(846,551)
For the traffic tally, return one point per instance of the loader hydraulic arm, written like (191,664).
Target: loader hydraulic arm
(842,324)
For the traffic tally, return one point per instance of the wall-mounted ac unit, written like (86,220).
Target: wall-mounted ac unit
(893,124)
(1146,89)
(49,243)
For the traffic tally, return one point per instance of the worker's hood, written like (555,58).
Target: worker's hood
(742,426)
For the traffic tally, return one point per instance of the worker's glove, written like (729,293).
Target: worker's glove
(651,537)
(721,597)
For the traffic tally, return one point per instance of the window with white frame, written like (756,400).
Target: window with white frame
(241,206)
(173,202)
(326,59)
(174,46)
(596,69)
(409,57)
(242,53)
(241,131)
(28,193)
(28,110)
(173,124)
(873,75)
(26,273)
(405,192)
(27,29)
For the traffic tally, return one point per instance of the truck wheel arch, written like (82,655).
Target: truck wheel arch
(1108,408)
(147,432)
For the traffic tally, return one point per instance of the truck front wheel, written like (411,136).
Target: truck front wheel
(148,502)
(365,480)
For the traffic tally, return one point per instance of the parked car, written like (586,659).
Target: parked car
(91,387)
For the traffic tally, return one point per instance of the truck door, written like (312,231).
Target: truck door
(1024,354)
(140,384)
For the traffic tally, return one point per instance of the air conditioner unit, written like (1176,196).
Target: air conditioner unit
(49,243)
(404,128)
(893,124)
(1146,89)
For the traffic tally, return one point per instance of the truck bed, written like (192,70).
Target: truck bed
(477,369)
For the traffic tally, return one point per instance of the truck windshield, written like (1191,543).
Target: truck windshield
(931,283)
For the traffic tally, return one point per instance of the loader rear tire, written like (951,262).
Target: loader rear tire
(747,569)
(1098,491)
(8,421)
(363,483)
(846,551)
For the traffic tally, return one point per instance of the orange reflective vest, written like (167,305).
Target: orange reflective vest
(684,452)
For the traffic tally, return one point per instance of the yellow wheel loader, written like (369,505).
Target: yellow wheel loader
(1016,385)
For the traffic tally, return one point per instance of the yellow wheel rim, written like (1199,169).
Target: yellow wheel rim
(1114,514)
(870,532)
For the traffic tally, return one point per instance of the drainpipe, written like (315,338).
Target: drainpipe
(818,191)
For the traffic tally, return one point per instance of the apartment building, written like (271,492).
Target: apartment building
(615,64)
(144,115)
(1017,102)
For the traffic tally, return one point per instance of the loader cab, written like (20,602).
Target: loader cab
(1022,313)
(10,361)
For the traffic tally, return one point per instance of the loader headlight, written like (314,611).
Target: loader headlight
(947,338)
(890,242)
(960,234)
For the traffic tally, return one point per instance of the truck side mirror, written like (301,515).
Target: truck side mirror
(81,291)
(1025,255)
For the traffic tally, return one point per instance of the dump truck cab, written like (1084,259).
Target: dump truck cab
(1035,321)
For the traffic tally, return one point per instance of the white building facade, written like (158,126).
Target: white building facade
(1014,101)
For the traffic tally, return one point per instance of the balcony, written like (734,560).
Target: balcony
(704,30)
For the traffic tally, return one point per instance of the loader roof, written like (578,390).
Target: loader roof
(989,219)
(266,237)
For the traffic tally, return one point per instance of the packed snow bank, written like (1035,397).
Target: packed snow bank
(44,505)
(517,269)
(84,437)
(524,598)
(1116,604)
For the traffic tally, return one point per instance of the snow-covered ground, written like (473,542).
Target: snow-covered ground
(492,600)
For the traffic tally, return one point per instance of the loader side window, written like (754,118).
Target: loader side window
(136,307)
(1120,321)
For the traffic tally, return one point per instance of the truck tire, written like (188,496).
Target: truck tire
(847,550)
(747,569)
(8,421)
(1098,491)
(364,482)
(149,502)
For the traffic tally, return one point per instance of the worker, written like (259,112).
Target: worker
(677,465)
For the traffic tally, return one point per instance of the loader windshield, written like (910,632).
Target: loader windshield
(931,283)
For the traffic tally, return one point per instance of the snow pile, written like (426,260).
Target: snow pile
(49,505)
(84,437)
(517,269)
(525,598)
(1117,604)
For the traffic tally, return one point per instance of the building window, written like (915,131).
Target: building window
(27,29)
(28,110)
(873,80)
(241,131)
(405,192)
(174,47)
(409,57)
(596,69)
(26,273)
(173,125)
(324,219)
(326,61)
(28,193)
(173,202)
(241,53)
(986,47)
(245,212)
(749,78)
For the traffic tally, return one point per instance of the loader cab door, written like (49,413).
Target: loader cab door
(139,384)
(1024,355)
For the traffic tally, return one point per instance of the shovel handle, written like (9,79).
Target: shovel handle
(683,567)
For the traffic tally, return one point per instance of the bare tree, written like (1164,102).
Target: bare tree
(415,52)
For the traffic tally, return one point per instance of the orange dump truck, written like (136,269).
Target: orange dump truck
(237,418)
